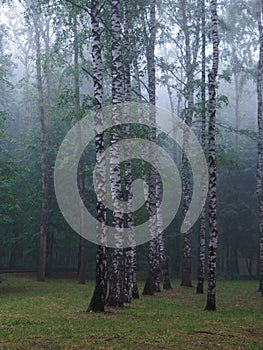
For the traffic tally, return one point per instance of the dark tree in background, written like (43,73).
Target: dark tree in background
(43,129)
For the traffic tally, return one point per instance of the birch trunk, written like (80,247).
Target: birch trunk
(191,52)
(187,243)
(115,297)
(202,232)
(135,292)
(212,246)
(152,282)
(130,279)
(97,303)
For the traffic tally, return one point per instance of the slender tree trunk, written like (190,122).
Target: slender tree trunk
(82,241)
(138,85)
(202,232)
(46,36)
(162,242)
(187,239)
(178,240)
(44,166)
(116,297)
(180,92)
(190,63)
(130,280)
(97,303)
(152,282)
(164,262)
(212,246)
(135,291)
(45,33)
(260,143)
(161,239)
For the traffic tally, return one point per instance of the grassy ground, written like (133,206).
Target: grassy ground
(52,315)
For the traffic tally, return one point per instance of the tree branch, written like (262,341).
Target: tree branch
(79,6)
(146,87)
(136,93)
(86,71)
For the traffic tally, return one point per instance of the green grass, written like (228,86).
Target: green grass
(52,315)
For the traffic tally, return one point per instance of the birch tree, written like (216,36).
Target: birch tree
(130,280)
(212,246)
(152,282)
(115,297)
(191,52)
(98,300)
(202,230)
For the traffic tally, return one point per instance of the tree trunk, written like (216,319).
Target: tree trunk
(97,303)
(135,292)
(115,297)
(130,280)
(46,36)
(212,247)
(44,166)
(83,241)
(260,144)
(190,62)
(164,262)
(152,282)
(202,232)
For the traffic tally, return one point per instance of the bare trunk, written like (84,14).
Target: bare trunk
(153,279)
(202,232)
(115,297)
(44,167)
(83,242)
(164,262)
(97,303)
(187,239)
(46,36)
(130,280)
(212,246)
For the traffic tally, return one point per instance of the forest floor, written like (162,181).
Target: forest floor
(51,315)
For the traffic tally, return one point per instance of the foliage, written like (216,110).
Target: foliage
(20,160)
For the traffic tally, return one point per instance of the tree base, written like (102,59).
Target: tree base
(211,307)
(200,287)
(149,287)
(211,304)
(186,284)
(157,288)
(115,303)
(97,303)
(127,300)
(167,284)
(135,292)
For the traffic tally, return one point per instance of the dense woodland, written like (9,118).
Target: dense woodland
(201,60)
